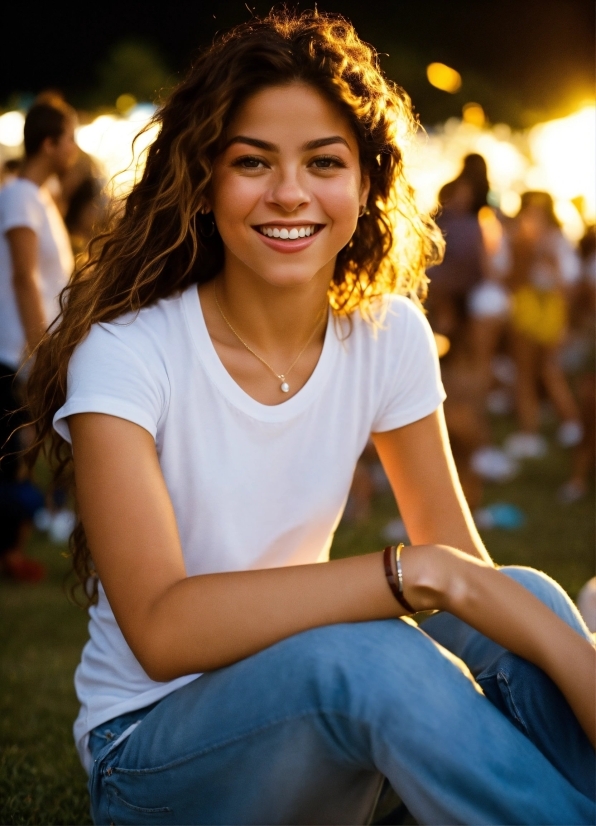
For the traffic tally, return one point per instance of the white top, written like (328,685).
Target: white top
(252,485)
(24,204)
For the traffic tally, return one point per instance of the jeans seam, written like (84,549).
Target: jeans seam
(515,708)
(231,740)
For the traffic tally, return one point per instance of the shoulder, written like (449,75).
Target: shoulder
(392,320)
(20,205)
(146,338)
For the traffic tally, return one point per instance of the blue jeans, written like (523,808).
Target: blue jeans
(305,731)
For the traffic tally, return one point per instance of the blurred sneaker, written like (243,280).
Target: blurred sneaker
(493,464)
(525,446)
(570,434)
(61,526)
(395,531)
(572,491)
(499,515)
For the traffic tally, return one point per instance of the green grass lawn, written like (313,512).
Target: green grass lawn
(41,780)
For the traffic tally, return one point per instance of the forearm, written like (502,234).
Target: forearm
(30,307)
(509,614)
(227,617)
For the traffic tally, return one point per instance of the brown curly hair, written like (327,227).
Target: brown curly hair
(154,245)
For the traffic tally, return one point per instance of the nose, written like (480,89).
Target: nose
(288,191)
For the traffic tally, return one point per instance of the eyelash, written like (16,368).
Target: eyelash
(334,162)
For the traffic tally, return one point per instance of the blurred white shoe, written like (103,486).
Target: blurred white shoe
(493,464)
(570,433)
(525,446)
(61,526)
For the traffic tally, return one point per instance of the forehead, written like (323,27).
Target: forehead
(294,113)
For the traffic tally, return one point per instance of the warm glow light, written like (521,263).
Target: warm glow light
(473,113)
(109,139)
(443,77)
(11,128)
(564,151)
(124,103)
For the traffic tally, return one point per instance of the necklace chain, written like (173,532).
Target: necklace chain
(284,387)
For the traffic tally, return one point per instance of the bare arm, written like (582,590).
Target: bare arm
(23,245)
(178,625)
(509,614)
(418,461)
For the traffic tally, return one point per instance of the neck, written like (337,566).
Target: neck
(274,318)
(37,170)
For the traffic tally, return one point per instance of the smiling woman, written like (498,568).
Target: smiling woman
(249,319)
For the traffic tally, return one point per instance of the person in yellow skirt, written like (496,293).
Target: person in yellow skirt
(544,265)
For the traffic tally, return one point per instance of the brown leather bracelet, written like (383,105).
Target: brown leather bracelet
(396,589)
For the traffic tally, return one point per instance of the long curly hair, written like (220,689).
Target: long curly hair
(154,247)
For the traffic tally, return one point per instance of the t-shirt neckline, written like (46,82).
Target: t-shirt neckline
(232,391)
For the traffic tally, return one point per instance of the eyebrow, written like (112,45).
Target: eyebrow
(272,147)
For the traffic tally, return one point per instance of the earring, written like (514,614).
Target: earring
(362,211)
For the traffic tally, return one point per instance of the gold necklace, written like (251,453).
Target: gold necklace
(284,386)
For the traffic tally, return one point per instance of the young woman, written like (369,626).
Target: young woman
(234,340)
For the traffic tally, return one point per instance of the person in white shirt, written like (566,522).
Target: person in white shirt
(220,364)
(35,263)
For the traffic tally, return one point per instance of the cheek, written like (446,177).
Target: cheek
(340,200)
(234,197)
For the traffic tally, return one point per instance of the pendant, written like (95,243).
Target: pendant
(284,387)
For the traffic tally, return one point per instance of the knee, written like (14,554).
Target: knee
(548,591)
(350,666)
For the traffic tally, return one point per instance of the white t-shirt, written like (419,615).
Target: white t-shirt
(24,204)
(252,485)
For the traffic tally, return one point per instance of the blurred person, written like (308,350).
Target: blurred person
(584,318)
(543,267)
(463,265)
(234,674)
(35,263)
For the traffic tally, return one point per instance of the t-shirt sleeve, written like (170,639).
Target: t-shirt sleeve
(412,387)
(108,375)
(20,208)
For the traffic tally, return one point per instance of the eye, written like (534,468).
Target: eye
(327,162)
(249,162)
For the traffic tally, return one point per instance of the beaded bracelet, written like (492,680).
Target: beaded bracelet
(397,589)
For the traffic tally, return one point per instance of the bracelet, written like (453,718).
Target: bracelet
(396,589)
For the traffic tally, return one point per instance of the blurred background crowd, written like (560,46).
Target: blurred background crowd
(512,305)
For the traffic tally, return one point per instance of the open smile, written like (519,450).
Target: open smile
(288,233)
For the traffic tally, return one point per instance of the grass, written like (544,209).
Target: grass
(41,636)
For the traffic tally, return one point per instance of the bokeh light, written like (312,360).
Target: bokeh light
(443,77)
(11,128)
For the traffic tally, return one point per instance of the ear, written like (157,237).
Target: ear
(364,188)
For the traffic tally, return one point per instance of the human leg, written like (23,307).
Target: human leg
(520,690)
(303,732)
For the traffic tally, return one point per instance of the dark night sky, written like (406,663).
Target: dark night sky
(522,59)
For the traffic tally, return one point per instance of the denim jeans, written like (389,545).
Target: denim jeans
(304,732)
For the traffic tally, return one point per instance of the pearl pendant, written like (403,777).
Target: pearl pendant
(284,387)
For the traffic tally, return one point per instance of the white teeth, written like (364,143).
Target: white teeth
(288,234)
